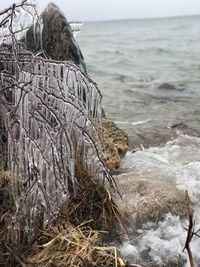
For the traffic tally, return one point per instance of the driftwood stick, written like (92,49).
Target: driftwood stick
(190,230)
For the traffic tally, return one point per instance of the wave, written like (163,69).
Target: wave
(132,123)
(155,50)
(178,162)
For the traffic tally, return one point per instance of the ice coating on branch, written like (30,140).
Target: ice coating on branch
(55,109)
(49,109)
(16,20)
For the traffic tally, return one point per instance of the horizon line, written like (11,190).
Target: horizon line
(143,18)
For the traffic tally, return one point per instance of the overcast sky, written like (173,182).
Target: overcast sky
(86,10)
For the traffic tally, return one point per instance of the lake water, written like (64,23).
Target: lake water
(130,60)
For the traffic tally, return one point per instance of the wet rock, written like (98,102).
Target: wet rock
(183,128)
(153,133)
(167,86)
(58,41)
(150,134)
(148,200)
(115,144)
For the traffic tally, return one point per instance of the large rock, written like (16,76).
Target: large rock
(57,38)
(148,200)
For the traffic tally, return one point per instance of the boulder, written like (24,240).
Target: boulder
(148,200)
(58,41)
(167,86)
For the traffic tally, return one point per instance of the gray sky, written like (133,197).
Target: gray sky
(86,10)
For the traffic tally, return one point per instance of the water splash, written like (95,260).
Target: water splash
(178,163)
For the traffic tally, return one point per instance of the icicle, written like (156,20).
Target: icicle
(40,21)
(65,81)
(55,127)
(34,22)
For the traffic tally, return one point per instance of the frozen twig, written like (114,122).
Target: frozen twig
(190,230)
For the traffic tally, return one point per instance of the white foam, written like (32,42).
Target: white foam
(129,250)
(163,244)
(133,123)
(178,162)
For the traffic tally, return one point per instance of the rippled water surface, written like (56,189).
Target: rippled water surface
(130,59)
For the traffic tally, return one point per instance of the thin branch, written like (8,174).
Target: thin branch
(190,230)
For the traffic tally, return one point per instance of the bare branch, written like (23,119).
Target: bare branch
(190,230)
(49,109)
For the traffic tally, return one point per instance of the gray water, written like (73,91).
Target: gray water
(129,60)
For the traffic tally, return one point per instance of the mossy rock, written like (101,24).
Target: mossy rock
(115,143)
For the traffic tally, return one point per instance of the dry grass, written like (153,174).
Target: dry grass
(95,205)
(69,241)
(72,246)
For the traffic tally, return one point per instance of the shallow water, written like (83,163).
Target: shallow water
(129,60)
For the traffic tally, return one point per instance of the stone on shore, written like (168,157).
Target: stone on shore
(148,200)
(58,41)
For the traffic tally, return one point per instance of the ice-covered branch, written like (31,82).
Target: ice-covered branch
(49,109)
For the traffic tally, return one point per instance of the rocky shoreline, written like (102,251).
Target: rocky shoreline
(139,200)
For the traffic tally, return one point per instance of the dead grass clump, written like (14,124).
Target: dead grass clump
(95,205)
(68,242)
(72,247)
